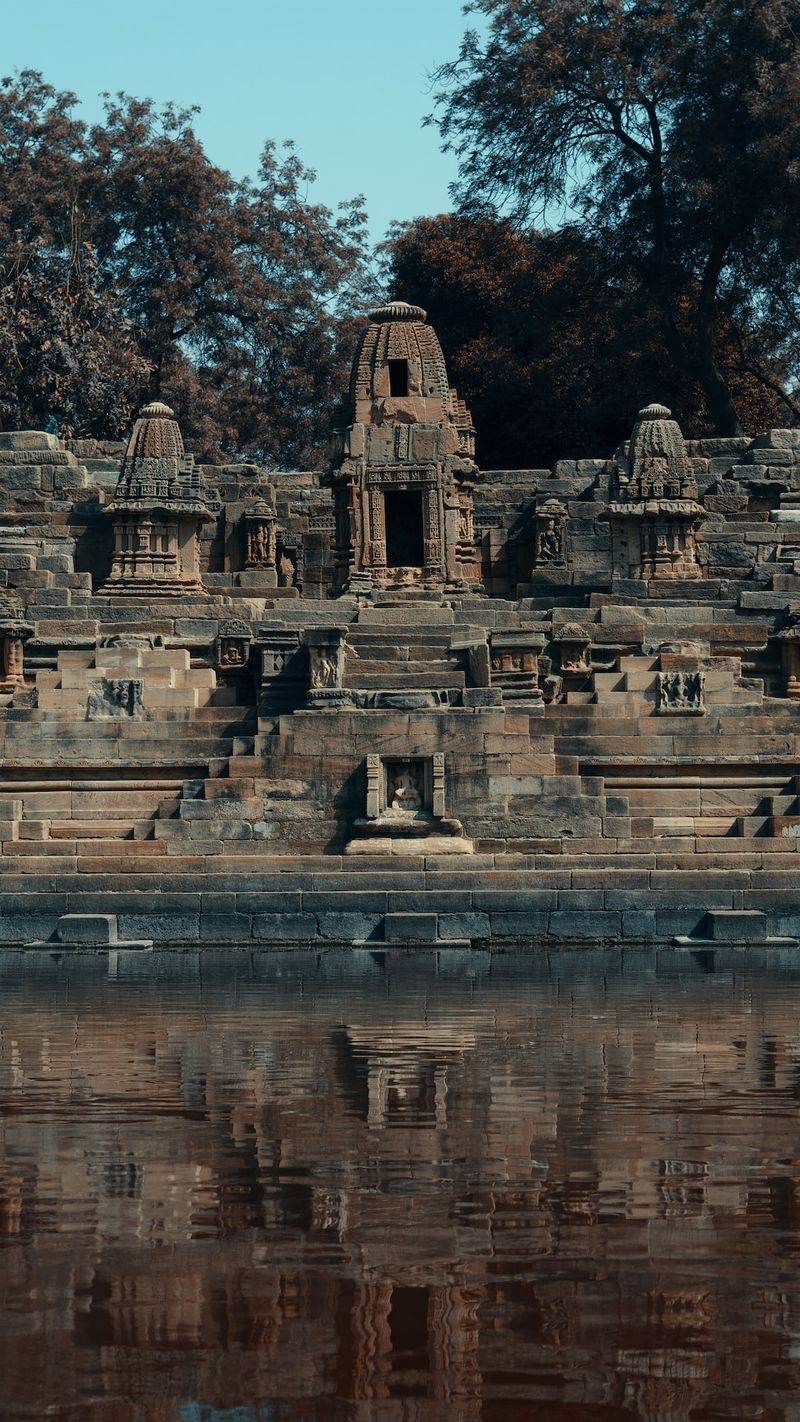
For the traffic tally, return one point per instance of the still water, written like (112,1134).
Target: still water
(401,1188)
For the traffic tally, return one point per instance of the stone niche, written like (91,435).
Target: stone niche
(13,633)
(550,541)
(260,543)
(402,463)
(325,647)
(789,639)
(232,645)
(405,809)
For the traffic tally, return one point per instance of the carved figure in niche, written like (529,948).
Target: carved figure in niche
(405,791)
(232,652)
(257,545)
(324,670)
(550,684)
(114,698)
(550,546)
(680,691)
(286,570)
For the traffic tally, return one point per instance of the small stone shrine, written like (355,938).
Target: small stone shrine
(160,502)
(402,468)
(404,698)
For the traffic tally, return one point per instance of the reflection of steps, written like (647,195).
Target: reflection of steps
(415,657)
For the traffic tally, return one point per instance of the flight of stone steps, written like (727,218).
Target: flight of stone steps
(379,658)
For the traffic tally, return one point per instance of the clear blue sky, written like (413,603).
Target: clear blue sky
(348,80)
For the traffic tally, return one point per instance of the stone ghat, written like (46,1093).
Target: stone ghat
(405,700)
(593,893)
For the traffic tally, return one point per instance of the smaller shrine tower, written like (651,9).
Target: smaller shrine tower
(161,499)
(402,463)
(655,509)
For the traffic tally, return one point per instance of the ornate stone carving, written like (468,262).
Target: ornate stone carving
(551,534)
(655,511)
(232,646)
(404,430)
(515,665)
(259,530)
(680,693)
(573,642)
(325,664)
(789,638)
(115,698)
(160,501)
(13,633)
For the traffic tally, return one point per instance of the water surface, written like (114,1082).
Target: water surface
(401,1188)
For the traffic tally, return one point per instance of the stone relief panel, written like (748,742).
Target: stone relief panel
(114,698)
(680,693)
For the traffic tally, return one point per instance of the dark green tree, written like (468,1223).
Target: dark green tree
(552,351)
(237,295)
(669,132)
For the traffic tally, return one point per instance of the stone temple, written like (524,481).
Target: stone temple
(408,700)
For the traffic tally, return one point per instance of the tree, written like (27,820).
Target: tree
(553,353)
(236,293)
(67,357)
(670,130)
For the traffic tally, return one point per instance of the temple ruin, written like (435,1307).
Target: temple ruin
(407,700)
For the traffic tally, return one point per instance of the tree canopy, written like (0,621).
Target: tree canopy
(668,131)
(132,267)
(553,353)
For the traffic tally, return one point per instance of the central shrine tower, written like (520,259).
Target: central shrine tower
(402,463)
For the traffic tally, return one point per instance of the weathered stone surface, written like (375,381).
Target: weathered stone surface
(408,701)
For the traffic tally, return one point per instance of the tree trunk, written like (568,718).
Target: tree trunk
(715,387)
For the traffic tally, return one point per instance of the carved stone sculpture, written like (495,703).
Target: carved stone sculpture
(160,501)
(402,462)
(551,538)
(325,664)
(232,646)
(680,692)
(113,698)
(260,538)
(406,789)
(655,510)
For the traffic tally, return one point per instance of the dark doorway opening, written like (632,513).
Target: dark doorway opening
(404,543)
(398,377)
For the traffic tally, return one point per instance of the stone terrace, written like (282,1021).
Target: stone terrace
(407,701)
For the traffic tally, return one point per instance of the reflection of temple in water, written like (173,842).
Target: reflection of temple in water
(433,1206)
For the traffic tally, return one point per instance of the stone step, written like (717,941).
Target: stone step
(421,616)
(399,636)
(375,666)
(88,829)
(736,925)
(396,681)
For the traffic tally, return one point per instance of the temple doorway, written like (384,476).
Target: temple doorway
(404,540)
